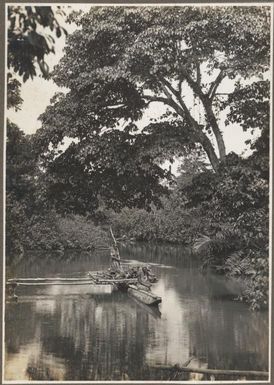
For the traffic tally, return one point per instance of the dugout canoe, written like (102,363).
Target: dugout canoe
(128,285)
(146,297)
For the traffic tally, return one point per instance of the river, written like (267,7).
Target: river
(75,333)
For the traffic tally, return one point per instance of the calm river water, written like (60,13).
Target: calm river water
(72,333)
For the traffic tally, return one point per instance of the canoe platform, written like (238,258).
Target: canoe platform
(94,279)
(129,285)
(100,277)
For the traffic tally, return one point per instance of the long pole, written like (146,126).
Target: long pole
(54,279)
(112,235)
(48,283)
(212,371)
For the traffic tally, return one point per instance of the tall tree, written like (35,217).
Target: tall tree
(124,59)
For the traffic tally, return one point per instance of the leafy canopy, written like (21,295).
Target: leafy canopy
(124,59)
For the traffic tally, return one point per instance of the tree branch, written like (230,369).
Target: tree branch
(184,112)
(178,95)
(215,84)
(195,85)
(198,69)
(113,107)
(169,86)
(180,86)
(181,108)
(155,99)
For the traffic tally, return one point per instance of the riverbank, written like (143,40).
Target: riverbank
(225,249)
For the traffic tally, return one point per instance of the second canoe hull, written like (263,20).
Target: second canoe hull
(146,297)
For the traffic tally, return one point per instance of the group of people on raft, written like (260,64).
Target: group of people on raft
(143,273)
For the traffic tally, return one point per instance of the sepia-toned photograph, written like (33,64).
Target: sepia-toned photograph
(137,163)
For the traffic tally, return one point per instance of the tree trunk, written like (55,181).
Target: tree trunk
(215,127)
(201,137)
(207,103)
(209,149)
(197,132)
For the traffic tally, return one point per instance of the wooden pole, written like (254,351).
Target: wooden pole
(213,371)
(56,279)
(112,235)
(90,282)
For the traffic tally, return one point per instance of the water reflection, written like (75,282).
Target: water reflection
(55,335)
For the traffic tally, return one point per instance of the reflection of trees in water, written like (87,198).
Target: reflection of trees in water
(102,336)
(185,283)
(44,264)
(25,358)
(19,317)
(93,337)
(99,338)
(222,337)
(222,333)
(170,255)
(171,343)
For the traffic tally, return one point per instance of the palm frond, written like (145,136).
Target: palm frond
(236,264)
(201,243)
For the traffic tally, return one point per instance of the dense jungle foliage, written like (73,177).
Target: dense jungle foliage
(111,173)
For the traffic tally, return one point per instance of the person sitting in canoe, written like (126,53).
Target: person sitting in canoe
(151,276)
(143,278)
